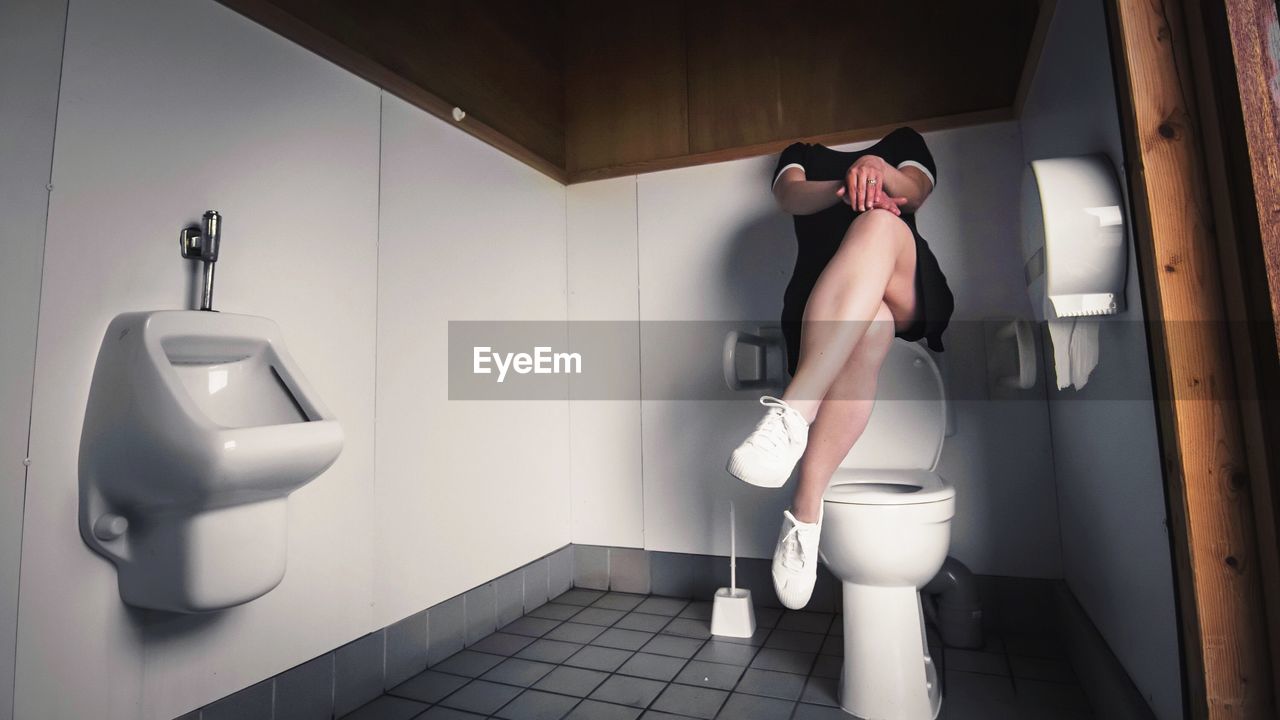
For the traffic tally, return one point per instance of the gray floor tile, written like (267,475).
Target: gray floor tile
(630,570)
(662,606)
(591,567)
(975,661)
(654,667)
(692,701)
(537,705)
(746,707)
(501,643)
(658,715)
(622,639)
(1047,669)
(555,611)
(697,610)
(306,691)
(832,645)
(430,686)
(701,673)
(821,691)
(530,626)
(827,666)
(552,651)
(757,638)
(688,627)
(793,640)
(598,658)
(578,682)
(820,712)
(406,653)
(969,696)
(387,707)
(771,683)
(1037,645)
(716,650)
(627,690)
(446,629)
(598,616)
(804,621)
(578,596)
(643,621)
(596,710)
(468,662)
(251,703)
(673,645)
(1050,700)
(619,601)
(784,660)
(481,696)
(440,712)
(357,673)
(767,617)
(514,671)
(574,632)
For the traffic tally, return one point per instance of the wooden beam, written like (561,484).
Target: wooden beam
(981,117)
(341,53)
(1227,665)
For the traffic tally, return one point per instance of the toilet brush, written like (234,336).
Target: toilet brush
(731,613)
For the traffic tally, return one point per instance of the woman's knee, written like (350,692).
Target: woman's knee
(878,221)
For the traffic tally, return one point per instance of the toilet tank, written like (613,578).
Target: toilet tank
(908,422)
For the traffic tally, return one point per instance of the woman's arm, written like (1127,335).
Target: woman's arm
(910,183)
(797,196)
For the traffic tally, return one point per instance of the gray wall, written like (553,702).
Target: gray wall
(30,63)
(1115,547)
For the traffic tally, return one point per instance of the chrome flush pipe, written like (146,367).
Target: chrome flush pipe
(201,243)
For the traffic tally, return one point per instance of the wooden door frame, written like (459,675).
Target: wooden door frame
(1213,342)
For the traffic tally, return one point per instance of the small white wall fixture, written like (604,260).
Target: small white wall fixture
(198,427)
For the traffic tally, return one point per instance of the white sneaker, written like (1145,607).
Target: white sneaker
(795,561)
(767,457)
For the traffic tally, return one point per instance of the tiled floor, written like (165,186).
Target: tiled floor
(590,655)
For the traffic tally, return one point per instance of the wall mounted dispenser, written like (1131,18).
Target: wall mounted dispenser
(198,426)
(1076,252)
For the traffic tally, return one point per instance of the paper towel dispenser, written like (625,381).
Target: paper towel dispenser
(1074,237)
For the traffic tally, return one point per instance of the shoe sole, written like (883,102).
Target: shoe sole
(740,470)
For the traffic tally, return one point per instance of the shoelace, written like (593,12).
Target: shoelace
(772,433)
(792,548)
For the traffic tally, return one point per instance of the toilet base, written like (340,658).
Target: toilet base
(887,672)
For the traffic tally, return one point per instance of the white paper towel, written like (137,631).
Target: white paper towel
(1075,350)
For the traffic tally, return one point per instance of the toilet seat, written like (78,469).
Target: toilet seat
(861,486)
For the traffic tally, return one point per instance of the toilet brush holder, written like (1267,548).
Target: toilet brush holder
(732,614)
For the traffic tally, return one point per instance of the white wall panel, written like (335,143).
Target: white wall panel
(153,129)
(1115,542)
(604,303)
(467,490)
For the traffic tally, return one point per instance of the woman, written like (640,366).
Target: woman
(863,275)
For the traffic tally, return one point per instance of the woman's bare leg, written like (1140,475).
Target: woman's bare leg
(843,416)
(875,265)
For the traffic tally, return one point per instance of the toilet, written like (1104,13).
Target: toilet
(885,533)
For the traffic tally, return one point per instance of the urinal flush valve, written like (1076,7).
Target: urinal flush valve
(201,243)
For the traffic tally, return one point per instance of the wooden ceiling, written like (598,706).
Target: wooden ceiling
(585,89)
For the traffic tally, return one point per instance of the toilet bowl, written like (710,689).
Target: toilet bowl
(885,533)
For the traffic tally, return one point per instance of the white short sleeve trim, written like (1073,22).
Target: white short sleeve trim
(784,169)
(918,166)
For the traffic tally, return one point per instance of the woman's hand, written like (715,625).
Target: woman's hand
(883,200)
(864,182)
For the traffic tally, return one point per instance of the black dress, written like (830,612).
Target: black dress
(818,236)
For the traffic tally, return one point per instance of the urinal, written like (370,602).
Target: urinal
(198,427)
